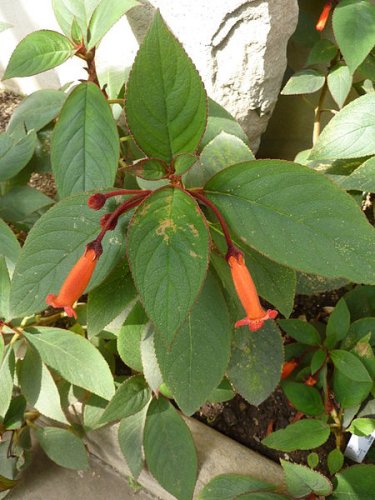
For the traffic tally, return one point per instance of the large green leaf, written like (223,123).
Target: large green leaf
(106,14)
(168,246)
(202,348)
(302,435)
(353,25)
(355,483)
(362,179)
(36,111)
(68,11)
(311,225)
(349,392)
(85,145)
(15,154)
(301,480)
(74,358)
(39,388)
(53,246)
(350,365)
(229,486)
(110,299)
(130,398)
(63,447)
(6,380)
(256,362)
(9,246)
(306,81)
(165,98)
(38,52)
(169,448)
(350,133)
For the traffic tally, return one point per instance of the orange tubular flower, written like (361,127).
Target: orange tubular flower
(75,283)
(322,21)
(288,368)
(247,293)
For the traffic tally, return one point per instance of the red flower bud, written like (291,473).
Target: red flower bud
(288,368)
(321,24)
(96,201)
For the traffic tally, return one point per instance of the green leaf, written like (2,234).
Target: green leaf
(149,361)
(14,418)
(169,448)
(305,399)
(130,437)
(223,392)
(202,348)
(165,100)
(256,362)
(38,52)
(110,298)
(130,398)
(302,435)
(363,177)
(9,246)
(357,331)
(23,205)
(338,324)
(335,460)
(306,81)
(301,481)
(303,332)
(322,52)
(355,483)
(183,162)
(150,169)
(348,364)
(350,132)
(74,358)
(15,154)
(106,14)
(319,357)
(68,11)
(6,381)
(168,253)
(35,112)
(53,246)
(4,290)
(353,22)
(311,284)
(63,447)
(245,194)
(313,460)
(129,345)
(349,392)
(85,146)
(229,486)
(339,83)
(224,150)
(362,426)
(39,388)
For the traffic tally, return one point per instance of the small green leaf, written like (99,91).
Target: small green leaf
(313,460)
(9,246)
(74,358)
(110,299)
(15,154)
(339,83)
(63,447)
(35,112)
(150,363)
(362,426)
(232,486)
(53,246)
(302,435)
(355,483)
(303,332)
(85,146)
(335,460)
(106,14)
(165,101)
(6,380)
(353,22)
(322,52)
(202,348)
(38,52)
(130,398)
(349,392)
(4,290)
(363,177)
(183,162)
(223,392)
(14,418)
(338,230)
(349,133)
(168,254)
(23,205)
(256,362)
(129,345)
(349,365)
(169,448)
(306,81)
(319,357)
(150,169)
(338,324)
(68,11)
(39,388)
(305,399)
(301,481)
(130,437)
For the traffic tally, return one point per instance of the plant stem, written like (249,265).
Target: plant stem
(116,101)
(318,113)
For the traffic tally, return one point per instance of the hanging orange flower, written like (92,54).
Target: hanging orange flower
(322,21)
(288,368)
(75,283)
(247,293)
